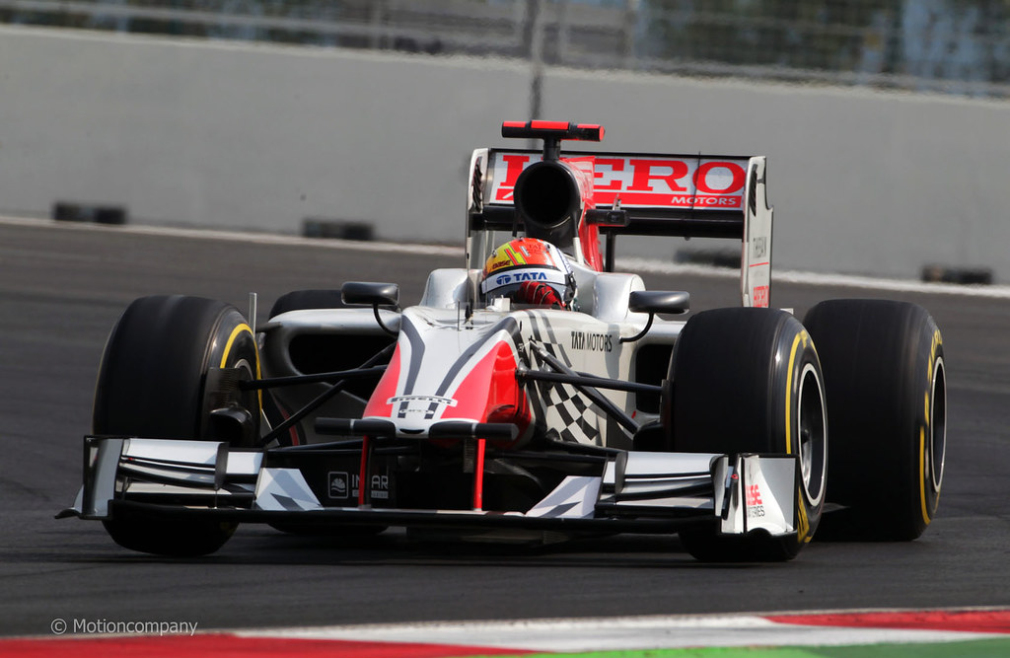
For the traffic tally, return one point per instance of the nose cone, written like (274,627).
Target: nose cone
(439,372)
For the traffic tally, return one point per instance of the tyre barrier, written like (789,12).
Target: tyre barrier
(961,275)
(728,258)
(77,212)
(344,230)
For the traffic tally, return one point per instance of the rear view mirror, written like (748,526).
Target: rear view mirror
(362,293)
(659,301)
(656,301)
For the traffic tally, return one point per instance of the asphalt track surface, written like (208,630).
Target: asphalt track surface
(61,290)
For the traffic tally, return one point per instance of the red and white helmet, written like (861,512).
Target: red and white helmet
(519,267)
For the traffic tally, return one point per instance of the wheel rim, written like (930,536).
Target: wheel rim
(250,400)
(240,353)
(938,424)
(813,433)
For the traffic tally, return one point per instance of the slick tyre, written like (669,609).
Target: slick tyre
(748,380)
(153,383)
(885,378)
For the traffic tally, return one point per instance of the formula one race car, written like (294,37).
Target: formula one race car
(533,391)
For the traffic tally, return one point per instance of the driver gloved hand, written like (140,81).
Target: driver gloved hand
(538,294)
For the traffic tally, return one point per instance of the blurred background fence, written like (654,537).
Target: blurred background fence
(947,46)
(368,117)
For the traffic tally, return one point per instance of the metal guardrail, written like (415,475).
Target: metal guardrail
(866,44)
(437,26)
(367,27)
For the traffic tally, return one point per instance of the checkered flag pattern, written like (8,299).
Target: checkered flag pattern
(576,415)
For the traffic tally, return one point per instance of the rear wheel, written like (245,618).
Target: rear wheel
(887,400)
(296,300)
(153,383)
(302,300)
(748,380)
(306,300)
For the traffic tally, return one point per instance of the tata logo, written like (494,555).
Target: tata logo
(592,342)
(503,279)
(530,276)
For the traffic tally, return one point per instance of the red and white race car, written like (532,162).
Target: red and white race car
(532,389)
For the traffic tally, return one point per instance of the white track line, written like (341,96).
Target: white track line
(632,264)
(621,633)
(236,236)
(820,279)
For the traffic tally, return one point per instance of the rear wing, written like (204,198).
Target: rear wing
(645,194)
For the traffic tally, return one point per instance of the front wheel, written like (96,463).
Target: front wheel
(153,383)
(748,380)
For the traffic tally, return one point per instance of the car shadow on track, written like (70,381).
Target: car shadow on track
(264,546)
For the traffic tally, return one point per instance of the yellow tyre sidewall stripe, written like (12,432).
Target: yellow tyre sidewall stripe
(922,474)
(937,342)
(239,329)
(803,526)
(801,336)
(803,522)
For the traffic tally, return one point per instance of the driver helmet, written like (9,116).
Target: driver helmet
(529,271)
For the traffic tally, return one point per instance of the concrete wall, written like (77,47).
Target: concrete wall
(259,137)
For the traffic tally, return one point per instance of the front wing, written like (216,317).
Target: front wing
(610,490)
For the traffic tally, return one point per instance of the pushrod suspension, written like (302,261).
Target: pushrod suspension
(318,401)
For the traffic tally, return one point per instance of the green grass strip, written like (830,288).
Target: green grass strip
(994,648)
